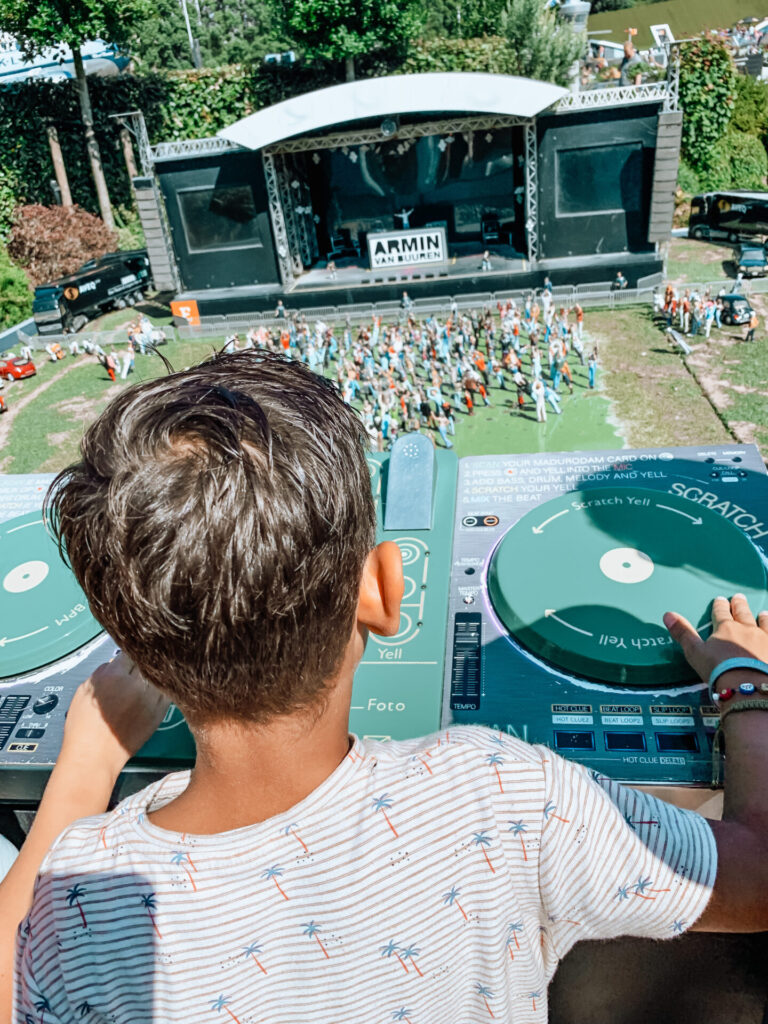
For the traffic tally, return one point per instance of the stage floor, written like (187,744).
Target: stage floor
(351,272)
(462,276)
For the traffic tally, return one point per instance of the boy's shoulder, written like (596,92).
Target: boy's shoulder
(463,744)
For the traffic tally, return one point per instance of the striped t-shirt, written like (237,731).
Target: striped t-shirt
(436,881)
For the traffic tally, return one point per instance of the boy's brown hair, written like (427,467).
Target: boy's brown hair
(218,522)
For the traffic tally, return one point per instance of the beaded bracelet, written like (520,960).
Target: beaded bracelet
(744,705)
(730,663)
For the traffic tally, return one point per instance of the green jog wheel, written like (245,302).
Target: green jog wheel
(583,580)
(43,612)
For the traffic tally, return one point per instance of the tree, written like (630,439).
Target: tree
(707,96)
(38,24)
(610,5)
(341,30)
(541,44)
(228,33)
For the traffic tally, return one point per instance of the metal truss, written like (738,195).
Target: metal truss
(193,147)
(672,102)
(532,192)
(134,121)
(613,96)
(282,246)
(372,136)
(289,213)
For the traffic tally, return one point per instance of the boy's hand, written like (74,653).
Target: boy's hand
(735,634)
(112,714)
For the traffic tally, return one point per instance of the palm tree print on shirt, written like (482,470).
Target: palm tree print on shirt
(517,828)
(289,830)
(383,803)
(410,953)
(549,812)
(513,929)
(483,840)
(633,824)
(182,859)
(221,1004)
(73,899)
(678,927)
(640,886)
(274,873)
(494,760)
(41,1006)
(84,1008)
(390,950)
(311,929)
(148,902)
(534,996)
(451,897)
(401,1014)
(485,994)
(251,951)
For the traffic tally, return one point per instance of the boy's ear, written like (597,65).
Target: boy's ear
(381,590)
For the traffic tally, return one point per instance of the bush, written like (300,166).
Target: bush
(687,179)
(130,234)
(15,293)
(707,91)
(51,241)
(750,111)
(738,161)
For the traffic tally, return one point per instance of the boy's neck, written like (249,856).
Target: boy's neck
(245,774)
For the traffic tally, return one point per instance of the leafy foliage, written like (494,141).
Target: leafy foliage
(490,54)
(707,96)
(39,23)
(598,6)
(51,241)
(542,46)
(15,293)
(687,178)
(9,190)
(227,34)
(336,30)
(739,161)
(750,111)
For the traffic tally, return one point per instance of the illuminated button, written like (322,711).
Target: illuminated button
(469,599)
(746,687)
(625,741)
(687,742)
(575,740)
(46,704)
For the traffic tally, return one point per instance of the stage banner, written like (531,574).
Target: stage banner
(407,248)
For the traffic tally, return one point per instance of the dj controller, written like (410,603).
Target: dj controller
(534,591)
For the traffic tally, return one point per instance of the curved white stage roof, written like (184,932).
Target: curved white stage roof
(449,92)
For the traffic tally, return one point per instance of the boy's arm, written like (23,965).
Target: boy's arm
(111,715)
(739,901)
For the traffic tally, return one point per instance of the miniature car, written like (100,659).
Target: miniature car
(17,369)
(736,310)
(750,260)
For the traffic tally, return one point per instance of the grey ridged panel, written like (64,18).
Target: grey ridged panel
(665,175)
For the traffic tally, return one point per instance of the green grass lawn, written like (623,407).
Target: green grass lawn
(646,397)
(698,262)
(44,436)
(654,397)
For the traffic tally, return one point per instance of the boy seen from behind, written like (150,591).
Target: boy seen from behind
(221,524)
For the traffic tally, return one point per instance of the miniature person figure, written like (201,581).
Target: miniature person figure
(405,217)
(592,368)
(539,394)
(486,264)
